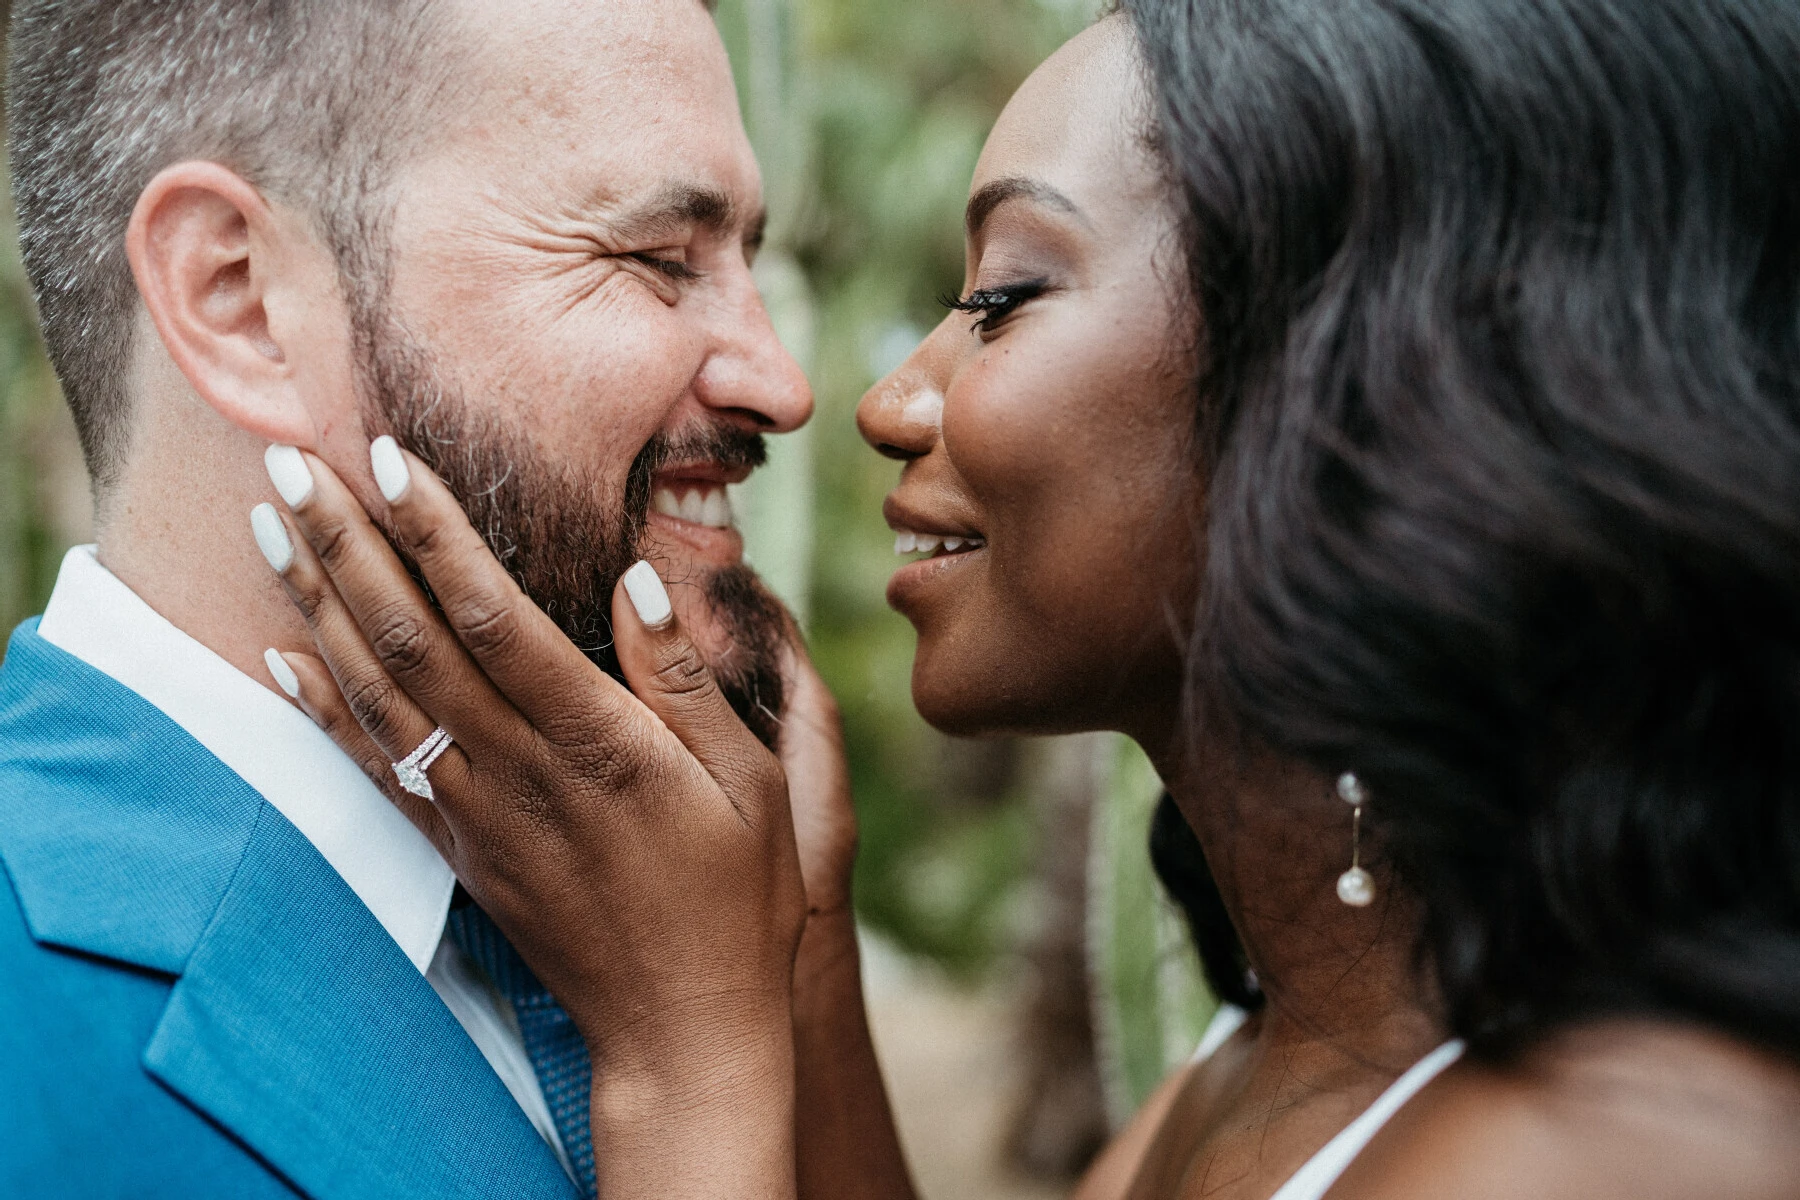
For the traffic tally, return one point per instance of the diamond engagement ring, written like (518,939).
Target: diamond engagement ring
(411,769)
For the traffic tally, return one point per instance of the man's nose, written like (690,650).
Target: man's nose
(751,373)
(902,417)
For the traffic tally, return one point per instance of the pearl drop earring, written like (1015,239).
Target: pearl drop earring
(1355,887)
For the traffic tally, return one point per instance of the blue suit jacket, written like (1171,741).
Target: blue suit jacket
(192,1002)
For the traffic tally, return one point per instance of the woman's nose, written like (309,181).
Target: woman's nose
(901,416)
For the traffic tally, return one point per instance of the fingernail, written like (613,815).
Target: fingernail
(272,538)
(289,473)
(284,675)
(648,595)
(391,474)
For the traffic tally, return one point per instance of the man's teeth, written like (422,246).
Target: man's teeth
(928,543)
(708,506)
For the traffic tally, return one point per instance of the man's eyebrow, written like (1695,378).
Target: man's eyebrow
(983,203)
(678,206)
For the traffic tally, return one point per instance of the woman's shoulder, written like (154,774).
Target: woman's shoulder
(1111,1175)
(1122,1162)
(1645,1110)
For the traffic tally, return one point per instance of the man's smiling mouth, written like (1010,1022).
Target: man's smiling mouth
(696,502)
(694,493)
(690,513)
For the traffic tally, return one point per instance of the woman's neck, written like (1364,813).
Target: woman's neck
(1341,982)
(1346,1012)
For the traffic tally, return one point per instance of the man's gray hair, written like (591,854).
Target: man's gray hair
(311,101)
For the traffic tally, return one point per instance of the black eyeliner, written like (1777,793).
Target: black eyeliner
(997,303)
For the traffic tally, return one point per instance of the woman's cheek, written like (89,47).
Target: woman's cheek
(1000,426)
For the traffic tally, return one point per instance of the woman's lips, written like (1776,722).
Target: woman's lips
(908,542)
(914,581)
(947,543)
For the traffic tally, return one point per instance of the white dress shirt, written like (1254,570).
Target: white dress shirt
(275,748)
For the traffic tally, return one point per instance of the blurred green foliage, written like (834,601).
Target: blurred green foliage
(43,506)
(897,100)
(1150,1004)
(868,139)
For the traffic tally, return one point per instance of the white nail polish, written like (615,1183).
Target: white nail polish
(272,538)
(289,473)
(391,475)
(283,674)
(648,595)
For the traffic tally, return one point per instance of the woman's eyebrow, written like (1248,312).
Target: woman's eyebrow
(983,203)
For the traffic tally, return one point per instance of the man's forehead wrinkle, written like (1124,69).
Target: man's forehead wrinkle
(549,64)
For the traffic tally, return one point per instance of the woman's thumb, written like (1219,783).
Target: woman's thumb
(665,671)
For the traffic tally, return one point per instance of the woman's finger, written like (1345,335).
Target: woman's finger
(309,682)
(521,649)
(811,749)
(381,708)
(412,644)
(667,674)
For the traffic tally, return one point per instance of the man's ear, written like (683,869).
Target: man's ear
(207,250)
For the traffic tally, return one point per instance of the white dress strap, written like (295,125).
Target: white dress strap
(1227,1020)
(1313,1180)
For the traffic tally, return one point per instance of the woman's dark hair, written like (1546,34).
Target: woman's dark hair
(1180,865)
(1500,322)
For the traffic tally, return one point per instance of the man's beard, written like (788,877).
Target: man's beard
(549,522)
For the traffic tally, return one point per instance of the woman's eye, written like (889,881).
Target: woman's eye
(994,305)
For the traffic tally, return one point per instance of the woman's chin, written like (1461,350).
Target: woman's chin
(950,701)
(1023,691)
(954,721)
(966,704)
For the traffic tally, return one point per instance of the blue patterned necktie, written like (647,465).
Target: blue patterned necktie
(558,1054)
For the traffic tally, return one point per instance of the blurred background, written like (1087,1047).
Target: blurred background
(1028,983)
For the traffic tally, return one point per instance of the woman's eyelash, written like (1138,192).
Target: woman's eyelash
(994,305)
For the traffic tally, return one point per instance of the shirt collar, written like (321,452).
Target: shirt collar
(274,747)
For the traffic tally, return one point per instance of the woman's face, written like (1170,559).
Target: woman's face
(1052,439)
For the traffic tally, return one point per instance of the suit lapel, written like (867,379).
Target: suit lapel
(119,830)
(296,1023)
(301,1027)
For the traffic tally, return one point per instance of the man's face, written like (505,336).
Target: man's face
(567,327)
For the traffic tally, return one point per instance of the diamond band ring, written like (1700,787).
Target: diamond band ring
(411,769)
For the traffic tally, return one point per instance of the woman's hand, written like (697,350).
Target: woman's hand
(811,747)
(637,849)
(848,1148)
